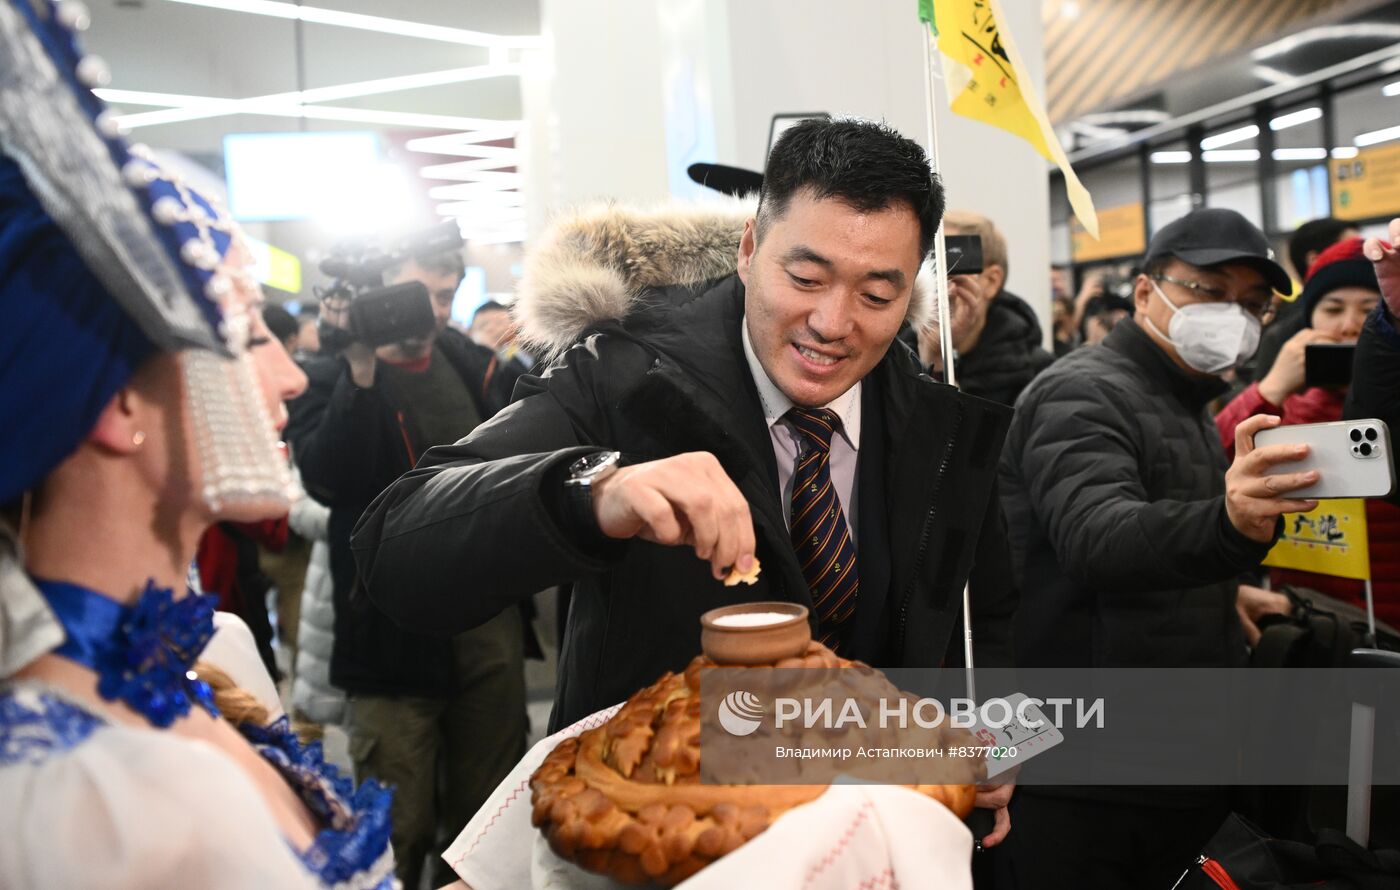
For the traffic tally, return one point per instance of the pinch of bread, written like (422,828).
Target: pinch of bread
(736,577)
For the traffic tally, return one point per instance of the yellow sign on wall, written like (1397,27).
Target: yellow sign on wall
(1120,234)
(273,266)
(1329,540)
(1367,185)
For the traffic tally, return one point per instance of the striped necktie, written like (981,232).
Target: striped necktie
(819,531)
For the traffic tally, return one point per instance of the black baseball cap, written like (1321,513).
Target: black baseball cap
(1211,236)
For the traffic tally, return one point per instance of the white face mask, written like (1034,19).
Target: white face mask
(1210,337)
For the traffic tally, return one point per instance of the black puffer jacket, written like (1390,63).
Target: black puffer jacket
(350,444)
(1008,356)
(1375,385)
(1113,482)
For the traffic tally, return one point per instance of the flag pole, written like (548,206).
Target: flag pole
(940,254)
(940,289)
(1371,610)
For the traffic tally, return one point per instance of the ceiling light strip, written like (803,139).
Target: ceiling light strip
(1376,136)
(461,170)
(334,113)
(259,104)
(1230,155)
(375,23)
(1294,118)
(142,97)
(1300,154)
(1230,137)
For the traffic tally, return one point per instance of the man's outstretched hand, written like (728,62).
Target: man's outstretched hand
(683,500)
(1387,260)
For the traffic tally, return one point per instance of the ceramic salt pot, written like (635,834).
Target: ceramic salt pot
(755,633)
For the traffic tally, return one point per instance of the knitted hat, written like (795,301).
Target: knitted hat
(1341,265)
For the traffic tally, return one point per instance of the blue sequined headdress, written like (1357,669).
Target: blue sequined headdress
(79,167)
(103,256)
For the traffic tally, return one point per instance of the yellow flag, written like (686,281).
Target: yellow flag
(986,81)
(1329,540)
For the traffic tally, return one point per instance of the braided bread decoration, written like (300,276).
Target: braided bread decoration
(625,799)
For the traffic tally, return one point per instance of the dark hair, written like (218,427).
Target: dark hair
(488,306)
(1314,236)
(864,164)
(280,322)
(1157,265)
(448,262)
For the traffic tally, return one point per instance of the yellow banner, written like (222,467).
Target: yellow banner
(1367,185)
(1122,232)
(273,266)
(986,81)
(1329,540)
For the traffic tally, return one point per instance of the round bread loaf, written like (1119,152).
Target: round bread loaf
(625,799)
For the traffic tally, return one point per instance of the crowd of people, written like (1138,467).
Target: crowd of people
(670,398)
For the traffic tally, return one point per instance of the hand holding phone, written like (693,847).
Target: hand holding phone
(1328,364)
(964,254)
(1257,488)
(1289,371)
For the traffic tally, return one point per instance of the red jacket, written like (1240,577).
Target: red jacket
(1317,405)
(217,558)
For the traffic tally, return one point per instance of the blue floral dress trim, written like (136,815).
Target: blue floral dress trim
(35,725)
(353,853)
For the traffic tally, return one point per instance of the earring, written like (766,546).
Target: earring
(138,438)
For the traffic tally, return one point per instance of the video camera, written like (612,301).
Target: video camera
(382,315)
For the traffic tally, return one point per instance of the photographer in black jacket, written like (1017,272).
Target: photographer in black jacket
(426,712)
(996,334)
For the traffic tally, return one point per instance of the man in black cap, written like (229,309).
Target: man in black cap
(1131,530)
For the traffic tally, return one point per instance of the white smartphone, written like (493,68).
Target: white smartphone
(1352,457)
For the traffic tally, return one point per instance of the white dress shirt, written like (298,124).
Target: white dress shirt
(788,443)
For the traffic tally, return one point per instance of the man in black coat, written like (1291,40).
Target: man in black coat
(687,387)
(423,708)
(1375,385)
(996,334)
(1131,531)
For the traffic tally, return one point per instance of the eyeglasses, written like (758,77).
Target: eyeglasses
(1260,309)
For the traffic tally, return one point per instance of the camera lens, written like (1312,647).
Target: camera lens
(1356,435)
(1366,449)
(1371,434)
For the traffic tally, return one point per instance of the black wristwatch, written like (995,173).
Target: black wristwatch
(578,488)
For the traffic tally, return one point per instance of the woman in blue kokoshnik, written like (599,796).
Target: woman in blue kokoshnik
(140,398)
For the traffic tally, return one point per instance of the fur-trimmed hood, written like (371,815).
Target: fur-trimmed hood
(590,263)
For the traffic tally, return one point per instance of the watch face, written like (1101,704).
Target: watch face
(586,466)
